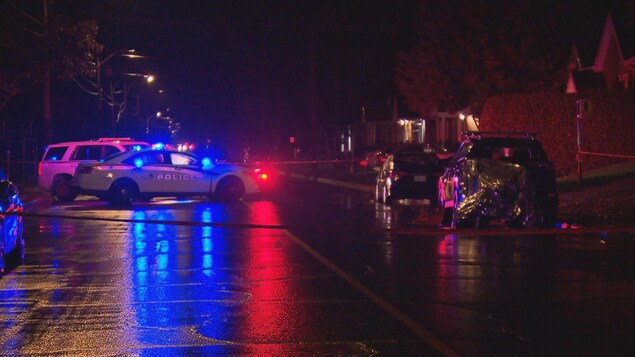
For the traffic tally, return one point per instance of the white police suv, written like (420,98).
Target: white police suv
(146,173)
(58,164)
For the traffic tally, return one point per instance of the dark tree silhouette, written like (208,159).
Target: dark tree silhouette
(36,45)
(469,50)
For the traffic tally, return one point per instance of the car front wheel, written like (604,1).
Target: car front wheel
(123,192)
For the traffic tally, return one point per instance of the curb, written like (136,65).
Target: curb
(36,202)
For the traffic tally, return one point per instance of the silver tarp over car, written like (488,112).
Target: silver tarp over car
(494,188)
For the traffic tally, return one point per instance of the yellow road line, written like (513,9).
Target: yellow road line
(424,334)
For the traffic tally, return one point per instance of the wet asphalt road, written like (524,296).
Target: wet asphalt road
(313,273)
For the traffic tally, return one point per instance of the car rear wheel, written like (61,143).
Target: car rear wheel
(549,207)
(230,189)
(123,192)
(63,190)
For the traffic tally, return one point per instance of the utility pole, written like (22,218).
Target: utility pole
(312,94)
(578,120)
(47,112)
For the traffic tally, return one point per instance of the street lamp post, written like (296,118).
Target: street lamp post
(114,88)
(101,62)
(123,105)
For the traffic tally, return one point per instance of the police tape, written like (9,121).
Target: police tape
(290,162)
(284,162)
(416,231)
(606,155)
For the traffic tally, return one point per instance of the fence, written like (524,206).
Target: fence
(19,159)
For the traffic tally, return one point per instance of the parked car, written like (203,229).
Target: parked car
(12,239)
(409,172)
(147,173)
(499,176)
(58,164)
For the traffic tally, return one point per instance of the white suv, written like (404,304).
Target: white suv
(56,169)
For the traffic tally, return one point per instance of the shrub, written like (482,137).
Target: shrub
(607,127)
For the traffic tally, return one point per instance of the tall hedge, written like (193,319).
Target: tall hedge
(607,127)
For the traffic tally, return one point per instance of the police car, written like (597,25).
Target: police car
(147,173)
(58,164)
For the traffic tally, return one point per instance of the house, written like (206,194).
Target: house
(609,70)
(441,129)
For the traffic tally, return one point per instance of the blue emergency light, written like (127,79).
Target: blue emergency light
(207,163)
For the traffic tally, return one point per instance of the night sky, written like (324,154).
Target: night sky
(240,71)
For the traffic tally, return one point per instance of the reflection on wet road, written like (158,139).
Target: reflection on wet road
(99,287)
(95,287)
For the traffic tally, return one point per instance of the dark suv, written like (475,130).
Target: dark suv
(499,176)
(410,172)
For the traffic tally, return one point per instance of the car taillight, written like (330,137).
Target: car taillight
(261,175)
(39,168)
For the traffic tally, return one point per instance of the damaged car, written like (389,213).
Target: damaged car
(499,177)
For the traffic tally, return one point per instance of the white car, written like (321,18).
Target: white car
(58,164)
(147,173)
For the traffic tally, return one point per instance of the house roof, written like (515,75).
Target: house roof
(608,54)
(592,41)
(587,41)
(609,40)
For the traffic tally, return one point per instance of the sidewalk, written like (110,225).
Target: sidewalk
(364,180)
(605,198)
(622,170)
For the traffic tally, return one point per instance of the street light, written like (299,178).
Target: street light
(131,53)
(117,103)
(120,108)
(149,78)
(109,92)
